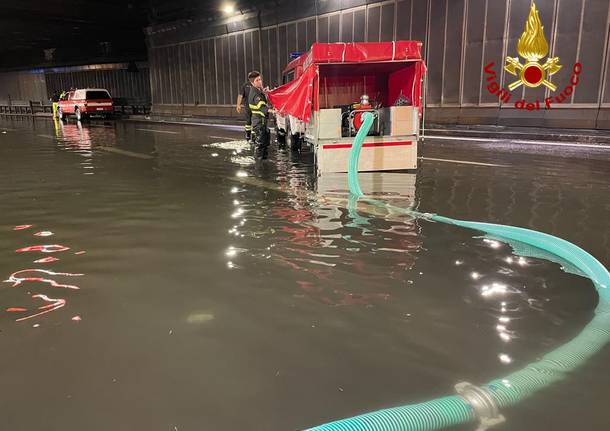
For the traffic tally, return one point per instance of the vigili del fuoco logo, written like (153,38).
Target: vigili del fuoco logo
(532,47)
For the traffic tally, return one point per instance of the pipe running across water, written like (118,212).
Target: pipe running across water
(484,403)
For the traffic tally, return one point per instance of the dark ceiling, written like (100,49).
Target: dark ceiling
(88,31)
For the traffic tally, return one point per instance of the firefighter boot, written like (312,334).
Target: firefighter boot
(248,133)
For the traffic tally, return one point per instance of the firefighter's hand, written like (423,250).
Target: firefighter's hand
(272,111)
(238,109)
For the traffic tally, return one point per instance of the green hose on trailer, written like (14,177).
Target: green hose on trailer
(484,403)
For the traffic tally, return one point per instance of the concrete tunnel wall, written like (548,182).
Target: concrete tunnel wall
(40,84)
(22,86)
(197,67)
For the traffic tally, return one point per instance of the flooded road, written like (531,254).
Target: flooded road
(158,279)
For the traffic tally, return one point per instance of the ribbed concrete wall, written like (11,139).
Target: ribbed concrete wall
(41,84)
(116,78)
(22,86)
(197,66)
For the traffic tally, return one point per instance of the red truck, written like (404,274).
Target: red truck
(86,102)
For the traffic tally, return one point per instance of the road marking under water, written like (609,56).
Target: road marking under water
(222,126)
(224,137)
(125,152)
(465,162)
(190,123)
(158,131)
(46,136)
(519,141)
(507,133)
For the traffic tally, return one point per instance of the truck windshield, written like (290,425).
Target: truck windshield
(97,95)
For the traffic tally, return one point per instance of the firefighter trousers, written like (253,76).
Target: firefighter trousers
(261,138)
(248,118)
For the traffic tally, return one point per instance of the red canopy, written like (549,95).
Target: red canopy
(296,98)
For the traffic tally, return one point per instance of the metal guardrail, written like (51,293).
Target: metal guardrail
(25,107)
(131,106)
(33,107)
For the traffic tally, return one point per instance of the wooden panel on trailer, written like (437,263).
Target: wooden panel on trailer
(379,153)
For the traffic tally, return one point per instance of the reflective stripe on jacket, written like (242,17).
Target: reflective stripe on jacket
(257,102)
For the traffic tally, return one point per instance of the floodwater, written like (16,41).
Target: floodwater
(158,279)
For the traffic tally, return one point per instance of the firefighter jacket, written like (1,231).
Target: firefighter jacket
(257,102)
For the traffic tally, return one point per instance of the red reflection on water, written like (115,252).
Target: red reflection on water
(44,233)
(49,248)
(18,280)
(361,298)
(47,260)
(23,226)
(77,137)
(340,297)
(54,304)
(35,275)
(293,215)
(322,274)
(305,235)
(315,292)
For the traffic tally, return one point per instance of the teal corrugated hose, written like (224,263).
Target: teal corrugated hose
(515,387)
(354,155)
(431,415)
(556,364)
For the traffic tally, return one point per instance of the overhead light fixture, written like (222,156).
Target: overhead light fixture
(228,8)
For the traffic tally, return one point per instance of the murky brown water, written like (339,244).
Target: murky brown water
(196,290)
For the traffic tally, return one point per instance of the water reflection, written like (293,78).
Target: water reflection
(53,304)
(86,140)
(313,229)
(16,278)
(316,231)
(277,271)
(37,278)
(75,137)
(44,233)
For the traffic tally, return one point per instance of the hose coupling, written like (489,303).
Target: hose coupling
(427,216)
(482,403)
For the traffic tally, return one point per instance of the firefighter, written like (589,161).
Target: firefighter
(257,102)
(242,104)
